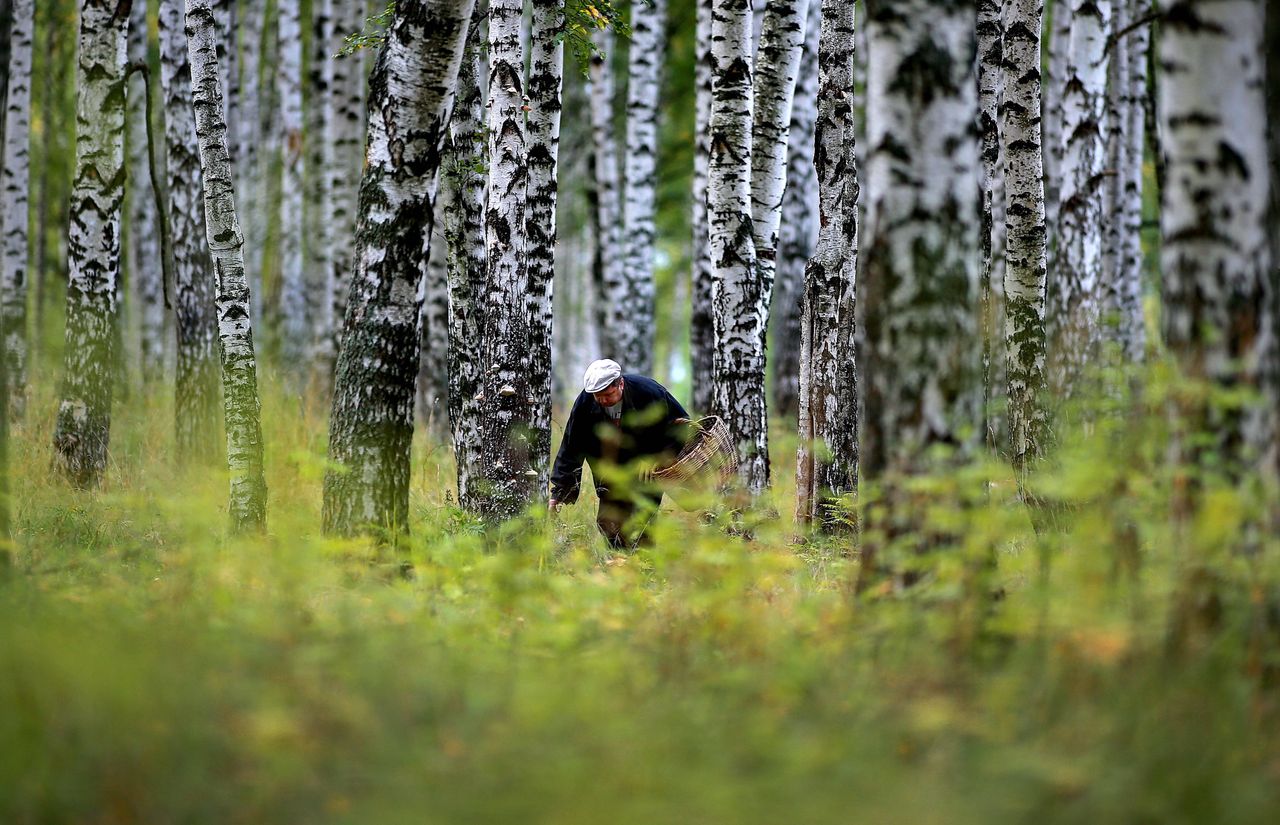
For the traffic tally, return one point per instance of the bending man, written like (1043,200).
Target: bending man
(622,426)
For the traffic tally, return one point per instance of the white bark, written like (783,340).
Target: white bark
(247,147)
(319,242)
(990,83)
(701,327)
(145,271)
(609,203)
(293,287)
(247,504)
(432,397)
(14,197)
(1054,146)
(83,427)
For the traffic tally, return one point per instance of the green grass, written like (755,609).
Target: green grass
(155,669)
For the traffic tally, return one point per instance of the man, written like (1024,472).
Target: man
(621,425)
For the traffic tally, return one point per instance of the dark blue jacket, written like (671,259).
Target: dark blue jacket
(647,429)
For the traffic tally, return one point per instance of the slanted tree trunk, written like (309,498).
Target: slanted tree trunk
(1073,286)
(1024,280)
(293,287)
(546,76)
(738,388)
(609,215)
(648,48)
(1215,254)
(922,249)
(145,271)
(193,282)
(14,194)
(827,463)
(83,428)
(247,504)
(990,89)
(371,426)
(701,326)
(462,185)
(797,233)
(507,443)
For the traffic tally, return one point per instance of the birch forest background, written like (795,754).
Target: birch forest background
(296,296)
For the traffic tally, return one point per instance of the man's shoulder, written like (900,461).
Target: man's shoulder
(643,382)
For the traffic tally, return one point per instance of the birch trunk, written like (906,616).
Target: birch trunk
(193,282)
(609,215)
(433,361)
(14,194)
(648,48)
(1053,135)
(1214,252)
(83,428)
(546,76)
(990,81)
(827,462)
(797,234)
(345,156)
(1024,280)
(319,240)
(293,287)
(371,426)
(507,442)
(462,212)
(247,504)
(1073,288)
(701,326)
(738,387)
(248,140)
(922,250)
(144,252)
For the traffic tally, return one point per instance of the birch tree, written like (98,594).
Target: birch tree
(431,402)
(507,437)
(193,283)
(14,195)
(922,244)
(247,139)
(83,427)
(318,243)
(738,380)
(1053,136)
(990,83)
(1073,289)
(546,76)
(1024,280)
(371,425)
(648,48)
(827,463)
(797,234)
(701,323)
(241,409)
(293,298)
(145,271)
(1215,254)
(609,215)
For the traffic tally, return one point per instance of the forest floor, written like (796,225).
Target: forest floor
(155,669)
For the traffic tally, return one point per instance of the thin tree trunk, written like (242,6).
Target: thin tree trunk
(1272,371)
(1053,134)
(609,204)
(144,251)
(701,326)
(83,428)
(371,426)
(738,388)
(15,191)
(990,83)
(506,445)
(648,48)
(248,155)
(319,242)
(432,397)
(797,234)
(1215,254)
(247,504)
(546,76)
(827,462)
(193,287)
(1122,292)
(1024,280)
(293,287)
(462,185)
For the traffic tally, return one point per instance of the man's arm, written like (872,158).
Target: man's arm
(566,473)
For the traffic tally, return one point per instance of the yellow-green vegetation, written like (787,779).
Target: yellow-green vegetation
(155,669)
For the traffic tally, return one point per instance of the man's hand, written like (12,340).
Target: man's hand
(554,505)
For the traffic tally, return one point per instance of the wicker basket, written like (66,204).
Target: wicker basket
(708,457)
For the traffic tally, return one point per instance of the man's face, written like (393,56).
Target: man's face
(610,395)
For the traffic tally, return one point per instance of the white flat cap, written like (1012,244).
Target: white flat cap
(601,374)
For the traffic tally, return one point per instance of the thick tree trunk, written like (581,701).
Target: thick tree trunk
(827,463)
(193,287)
(797,234)
(546,77)
(144,252)
(371,426)
(609,217)
(247,504)
(701,326)
(648,48)
(1215,255)
(1073,286)
(507,442)
(922,250)
(1024,280)
(990,89)
(293,287)
(738,388)
(83,428)
(462,186)
(14,195)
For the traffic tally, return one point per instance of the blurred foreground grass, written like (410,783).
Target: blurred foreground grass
(154,669)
